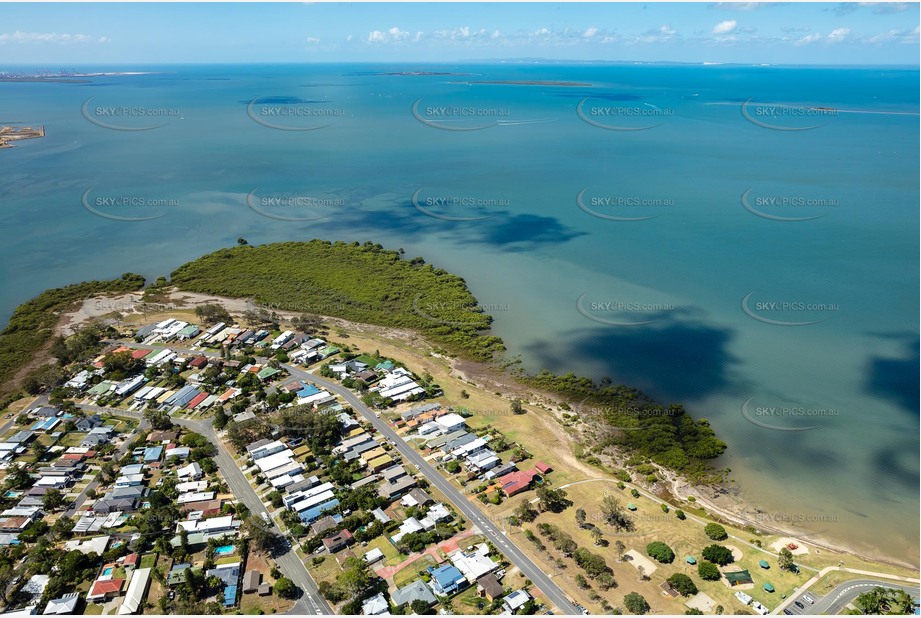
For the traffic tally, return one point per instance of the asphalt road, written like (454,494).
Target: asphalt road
(834,602)
(289,563)
(470,511)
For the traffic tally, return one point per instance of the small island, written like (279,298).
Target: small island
(12,134)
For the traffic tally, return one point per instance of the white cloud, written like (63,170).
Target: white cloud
(809,38)
(743,6)
(104,39)
(838,34)
(590,32)
(349,37)
(393,35)
(312,40)
(725,27)
(44,37)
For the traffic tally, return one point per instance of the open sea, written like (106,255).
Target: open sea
(739,239)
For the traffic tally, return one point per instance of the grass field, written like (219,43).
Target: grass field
(411,571)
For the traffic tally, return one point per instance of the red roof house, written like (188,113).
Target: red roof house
(105,589)
(542,467)
(516,482)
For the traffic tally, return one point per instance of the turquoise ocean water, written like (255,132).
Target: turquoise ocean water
(659,302)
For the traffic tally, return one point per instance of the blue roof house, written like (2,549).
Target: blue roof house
(447,579)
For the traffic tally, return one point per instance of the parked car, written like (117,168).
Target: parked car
(808,599)
(799,605)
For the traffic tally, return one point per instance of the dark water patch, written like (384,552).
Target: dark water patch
(896,378)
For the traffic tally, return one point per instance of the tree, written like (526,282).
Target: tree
(220,418)
(593,564)
(158,419)
(453,467)
(516,407)
(525,512)
(680,515)
(421,608)
(715,532)
(693,611)
(242,241)
(581,581)
(619,549)
(785,559)
(553,500)
(718,554)
(16,477)
(683,584)
(635,603)
(212,314)
(708,571)
(464,394)
(596,535)
(260,534)
(615,514)
(580,517)
(53,499)
(660,551)
(285,588)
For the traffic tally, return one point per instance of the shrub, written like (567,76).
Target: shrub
(718,554)
(635,603)
(683,584)
(660,551)
(708,571)
(715,532)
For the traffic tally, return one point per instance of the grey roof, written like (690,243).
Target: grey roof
(390,490)
(229,574)
(459,441)
(413,591)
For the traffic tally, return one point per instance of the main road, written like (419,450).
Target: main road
(290,564)
(499,540)
(834,602)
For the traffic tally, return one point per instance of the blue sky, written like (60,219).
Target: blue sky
(59,35)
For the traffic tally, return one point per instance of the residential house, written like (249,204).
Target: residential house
(413,591)
(104,589)
(67,604)
(447,579)
(490,587)
(474,564)
(341,539)
(515,601)
(375,606)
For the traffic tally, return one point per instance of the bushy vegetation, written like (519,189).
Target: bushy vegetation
(718,554)
(708,571)
(715,532)
(670,437)
(636,603)
(358,282)
(683,584)
(660,551)
(32,323)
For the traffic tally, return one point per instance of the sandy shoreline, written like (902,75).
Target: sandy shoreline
(716,501)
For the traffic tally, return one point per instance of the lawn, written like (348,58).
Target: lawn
(92,609)
(71,439)
(475,539)
(391,555)
(148,561)
(411,571)
(467,602)
(253,604)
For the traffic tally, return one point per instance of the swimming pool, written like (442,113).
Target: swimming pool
(224,550)
(107,572)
